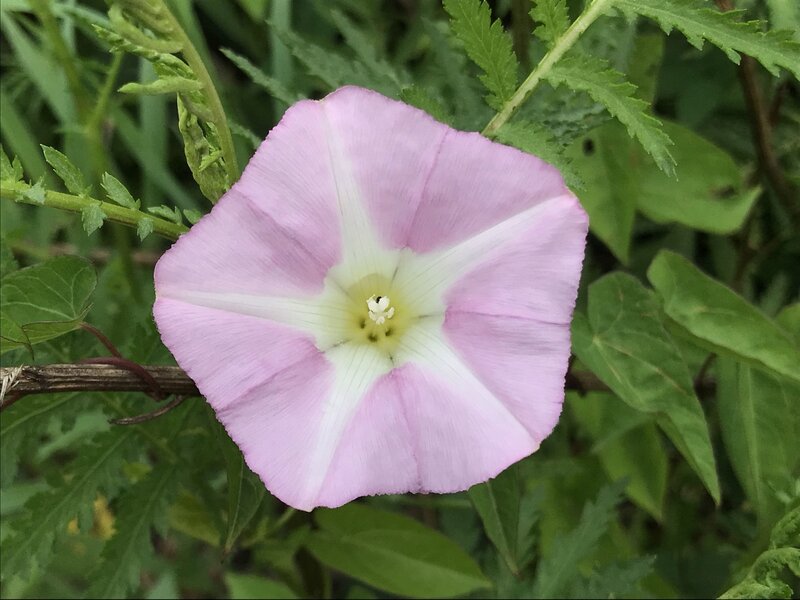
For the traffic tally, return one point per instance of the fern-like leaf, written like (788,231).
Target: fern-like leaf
(488,45)
(274,87)
(537,140)
(24,421)
(332,68)
(557,569)
(610,88)
(551,18)
(97,467)
(140,509)
(725,30)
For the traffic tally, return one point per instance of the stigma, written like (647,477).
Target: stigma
(380,309)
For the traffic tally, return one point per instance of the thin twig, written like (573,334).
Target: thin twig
(53,379)
(103,338)
(761,126)
(150,415)
(86,377)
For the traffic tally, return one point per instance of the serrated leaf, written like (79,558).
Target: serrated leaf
(616,580)
(66,170)
(35,193)
(594,76)
(49,299)
(143,507)
(552,18)
(539,141)
(163,85)
(698,22)
(274,87)
(92,217)
(96,468)
(24,422)
(718,316)
(557,569)
(331,67)
(488,45)
(764,578)
(118,193)
(165,212)
(9,171)
(213,179)
(393,553)
(624,342)
(422,99)
(192,216)
(144,227)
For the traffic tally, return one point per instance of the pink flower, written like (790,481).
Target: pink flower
(380,305)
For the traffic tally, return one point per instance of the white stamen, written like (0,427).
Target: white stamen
(379,309)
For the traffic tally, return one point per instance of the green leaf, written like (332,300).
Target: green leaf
(192,216)
(163,85)
(8,263)
(698,22)
(708,192)
(9,171)
(242,586)
(25,422)
(552,19)
(97,467)
(498,503)
(166,212)
(142,507)
(557,569)
(331,67)
(118,193)
(66,170)
(12,335)
(536,139)
(615,580)
(764,579)
(722,319)
(760,421)
(144,227)
(245,489)
(35,193)
(274,87)
(624,342)
(488,45)
(49,299)
(636,454)
(211,178)
(422,99)
(92,218)
(607,162)
(595,76)
(393,553)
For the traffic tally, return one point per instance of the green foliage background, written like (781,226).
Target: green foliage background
(122,120)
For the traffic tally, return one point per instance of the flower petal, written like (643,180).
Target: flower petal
(276,231)
(526,266)
(283,402)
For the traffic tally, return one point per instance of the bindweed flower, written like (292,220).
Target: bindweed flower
(381,304)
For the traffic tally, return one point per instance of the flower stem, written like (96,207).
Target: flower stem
(195,62)
(114,213)
(562,44)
